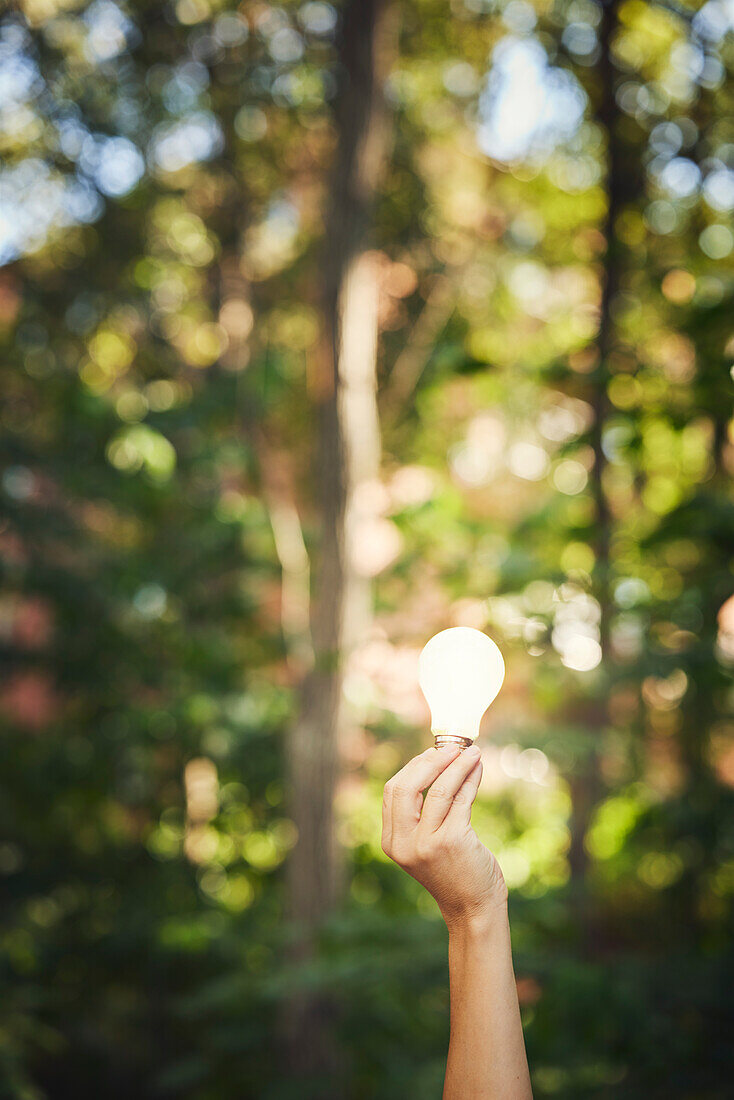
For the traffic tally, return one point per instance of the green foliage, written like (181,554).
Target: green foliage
(163,182)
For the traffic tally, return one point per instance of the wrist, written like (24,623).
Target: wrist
(477,923)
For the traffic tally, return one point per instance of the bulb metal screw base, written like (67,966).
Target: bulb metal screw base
(449,740)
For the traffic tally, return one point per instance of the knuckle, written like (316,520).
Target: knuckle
(442,843)
(399,848)
(438,790)
(402,789)
(424,850)
(403,854)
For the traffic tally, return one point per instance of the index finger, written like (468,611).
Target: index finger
(407,785)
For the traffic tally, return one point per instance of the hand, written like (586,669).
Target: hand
(433,839)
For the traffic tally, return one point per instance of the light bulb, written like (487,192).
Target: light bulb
(460,672)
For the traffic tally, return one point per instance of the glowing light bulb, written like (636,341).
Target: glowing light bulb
(460,672)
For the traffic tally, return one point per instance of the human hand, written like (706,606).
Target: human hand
(433,839)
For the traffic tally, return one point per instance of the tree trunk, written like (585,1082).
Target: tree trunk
(349,445)
(585,783)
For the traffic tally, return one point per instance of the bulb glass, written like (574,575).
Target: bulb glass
(460,673)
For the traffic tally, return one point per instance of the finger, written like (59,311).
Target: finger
(402,778)
(410,781)
(441,795)
(387,818)
(460,811)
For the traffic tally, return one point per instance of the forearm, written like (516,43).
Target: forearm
(486,1059)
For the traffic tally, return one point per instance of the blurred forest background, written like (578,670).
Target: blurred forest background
(325,328)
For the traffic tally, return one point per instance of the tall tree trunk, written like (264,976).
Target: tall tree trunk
(349,445)
(585,784)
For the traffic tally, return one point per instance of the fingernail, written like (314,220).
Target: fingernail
(473,751)
(448,750)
